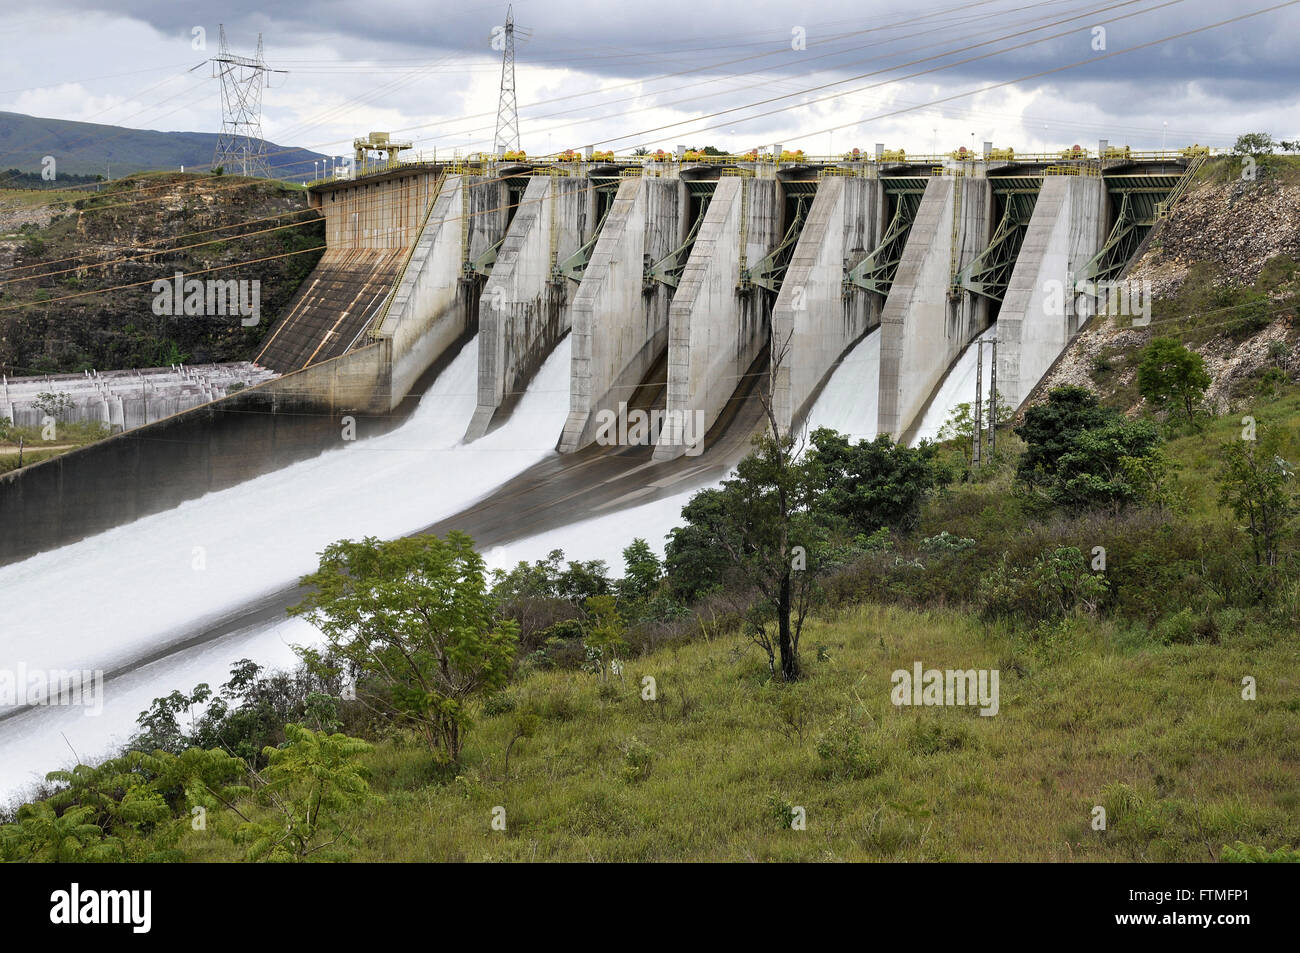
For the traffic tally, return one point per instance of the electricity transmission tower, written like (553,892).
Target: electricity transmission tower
(240,146)
(507,135)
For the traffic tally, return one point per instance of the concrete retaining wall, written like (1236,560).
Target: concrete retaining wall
(620,328)
(813,322)
(369,227)
(1038,317)
(923,327)
(714,330)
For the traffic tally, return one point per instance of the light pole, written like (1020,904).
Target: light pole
(315,174)
(1164,133)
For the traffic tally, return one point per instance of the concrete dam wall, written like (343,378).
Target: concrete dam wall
(673,281)
(620,324)
(816,319)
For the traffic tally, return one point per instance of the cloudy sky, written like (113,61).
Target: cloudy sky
(825,76)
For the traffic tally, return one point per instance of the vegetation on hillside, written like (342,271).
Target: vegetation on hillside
(79,294)
(1144,630)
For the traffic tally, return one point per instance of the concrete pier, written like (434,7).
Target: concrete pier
(815,320)
(435,303)
(1038,316)
(525,308)
(925,325)
(715,329)
(620,325)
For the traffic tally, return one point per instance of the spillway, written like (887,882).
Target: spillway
(113,600)
(958,387)
(141,591)
(850,399)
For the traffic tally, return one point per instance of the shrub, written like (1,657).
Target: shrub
(844,754)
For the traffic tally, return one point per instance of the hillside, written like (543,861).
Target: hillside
(89,148)
(1223,270)
(79,268)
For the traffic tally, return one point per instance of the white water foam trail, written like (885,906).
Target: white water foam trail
(106,601)
(957,388)
(850,401)
(34,742)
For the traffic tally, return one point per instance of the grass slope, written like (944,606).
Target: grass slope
(1094,711)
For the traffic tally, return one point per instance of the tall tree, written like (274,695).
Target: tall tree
(1258,485)
(414,620)
(1049,429)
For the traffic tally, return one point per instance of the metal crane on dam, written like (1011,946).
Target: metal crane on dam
(681,279)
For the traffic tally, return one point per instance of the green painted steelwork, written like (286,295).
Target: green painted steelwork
(668,269)
(770,270)
(1120,245)
(482,265)
(989,273)
(576,264)
(876,271)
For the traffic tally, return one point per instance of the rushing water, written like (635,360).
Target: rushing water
(107,601)
(112,599)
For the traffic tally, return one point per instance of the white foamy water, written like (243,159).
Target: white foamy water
(957,388)
(850,401)
(109,600)
(136,584)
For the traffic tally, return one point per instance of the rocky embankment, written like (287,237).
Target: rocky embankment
(76,276)
(1227,246)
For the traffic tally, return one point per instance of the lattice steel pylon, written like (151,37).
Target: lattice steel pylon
(507,134)
(240,146)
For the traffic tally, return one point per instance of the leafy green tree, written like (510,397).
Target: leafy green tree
(161,726)
(763,522)
(40,834)
(414,620)
(1171,374)
(961,421)
(1049,429)
(54,405)
(1258,485)
(308,784)
(872,484)
(695,566)
(643,572)
(1109,467)
(604,632)
(131,808)
(1254,143)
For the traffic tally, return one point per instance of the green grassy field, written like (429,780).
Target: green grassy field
(1095,711)
(1158,735)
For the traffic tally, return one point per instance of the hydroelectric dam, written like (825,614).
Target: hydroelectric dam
(680,281)
(456,356)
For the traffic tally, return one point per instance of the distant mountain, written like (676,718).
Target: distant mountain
(88,148)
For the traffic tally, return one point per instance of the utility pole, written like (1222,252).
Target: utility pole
(979,404)
(507,134)
(993,399)
(240,147)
